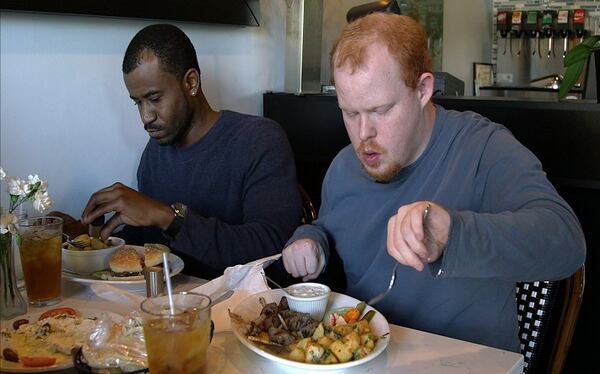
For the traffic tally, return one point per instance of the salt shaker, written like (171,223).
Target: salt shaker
(155,284)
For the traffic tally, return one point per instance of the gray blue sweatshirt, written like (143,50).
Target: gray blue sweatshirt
(508,224)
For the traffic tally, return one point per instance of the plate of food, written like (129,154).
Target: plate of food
(126,266)
(43,341)
(330,344)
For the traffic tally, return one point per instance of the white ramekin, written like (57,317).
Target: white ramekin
(315,305)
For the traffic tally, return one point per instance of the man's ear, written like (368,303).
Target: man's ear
(191,81)
(425,88)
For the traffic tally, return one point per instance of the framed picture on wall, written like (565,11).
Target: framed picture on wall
(483,76)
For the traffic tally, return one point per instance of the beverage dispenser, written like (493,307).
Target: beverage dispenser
(579,23)
(516,29)
(563,26)
(546,32)
(532,28)
(503,27)
(549,28)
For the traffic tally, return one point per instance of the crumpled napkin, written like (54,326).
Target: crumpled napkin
(244,280)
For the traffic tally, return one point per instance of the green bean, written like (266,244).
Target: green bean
(369,316)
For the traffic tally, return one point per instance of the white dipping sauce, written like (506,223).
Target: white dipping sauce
(306,291)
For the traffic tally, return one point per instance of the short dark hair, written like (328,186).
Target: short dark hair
(174,50)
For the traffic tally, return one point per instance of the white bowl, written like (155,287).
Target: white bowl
(87,262)
(308,298)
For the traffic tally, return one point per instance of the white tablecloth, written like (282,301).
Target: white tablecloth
(409,351)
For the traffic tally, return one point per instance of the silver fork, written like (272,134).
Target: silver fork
(380,297)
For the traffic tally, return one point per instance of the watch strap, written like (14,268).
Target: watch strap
(179,211)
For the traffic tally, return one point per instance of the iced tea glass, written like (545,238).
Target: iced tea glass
(177,340)
(40,249)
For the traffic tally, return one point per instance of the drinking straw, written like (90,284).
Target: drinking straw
(168,280)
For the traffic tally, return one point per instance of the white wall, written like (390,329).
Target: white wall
(467,38)
(65,113)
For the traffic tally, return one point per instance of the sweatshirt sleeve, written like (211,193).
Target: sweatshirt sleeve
(524,230)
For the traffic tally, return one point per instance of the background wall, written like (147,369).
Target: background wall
(467,35)
(65,113)
(467,38)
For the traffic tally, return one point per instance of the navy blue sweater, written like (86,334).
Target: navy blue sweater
(239,183)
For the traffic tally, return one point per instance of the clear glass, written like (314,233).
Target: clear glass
(41,258)
(12,303)
(177,338)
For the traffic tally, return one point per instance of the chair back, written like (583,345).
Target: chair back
(309,213)
(547,313)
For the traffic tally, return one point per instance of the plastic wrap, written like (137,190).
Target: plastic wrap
(115,344)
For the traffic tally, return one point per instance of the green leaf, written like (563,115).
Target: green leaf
(579,53)
(571,76)
(590,41)
(13,202)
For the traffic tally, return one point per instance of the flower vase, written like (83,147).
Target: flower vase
(12,303)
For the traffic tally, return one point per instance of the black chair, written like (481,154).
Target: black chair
(547,314)
(309,213)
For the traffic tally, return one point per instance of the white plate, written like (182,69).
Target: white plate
(249,309)
(175,266)
(17,367)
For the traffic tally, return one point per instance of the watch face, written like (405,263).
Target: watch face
(180,209)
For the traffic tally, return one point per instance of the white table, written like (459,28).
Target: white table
(408,351)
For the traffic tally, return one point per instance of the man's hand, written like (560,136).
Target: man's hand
(304,258)
(414,239)
(130,207)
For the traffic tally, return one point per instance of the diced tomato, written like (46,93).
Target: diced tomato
(57,311)
(35,362)
(352,315)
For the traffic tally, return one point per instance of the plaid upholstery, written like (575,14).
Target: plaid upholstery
(535,302)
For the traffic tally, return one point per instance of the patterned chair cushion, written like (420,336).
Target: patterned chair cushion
(536,302)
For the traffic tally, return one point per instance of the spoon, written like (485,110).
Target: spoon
(284,289)
(224,296)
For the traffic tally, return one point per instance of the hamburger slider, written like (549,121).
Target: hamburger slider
(126,264)
(152,257)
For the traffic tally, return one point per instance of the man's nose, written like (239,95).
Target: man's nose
(148,114)
(366,128)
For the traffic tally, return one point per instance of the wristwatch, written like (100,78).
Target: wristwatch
(179,212)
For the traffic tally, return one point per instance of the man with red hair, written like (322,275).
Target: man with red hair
(464,208)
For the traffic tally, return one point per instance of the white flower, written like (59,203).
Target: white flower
(16,186)
(42,201)
(33,179)
(34,189)
(7,223)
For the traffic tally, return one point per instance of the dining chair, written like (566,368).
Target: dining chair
(309,213)
(547,314)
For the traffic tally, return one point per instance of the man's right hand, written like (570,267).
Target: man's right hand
(130,207)
(304,258)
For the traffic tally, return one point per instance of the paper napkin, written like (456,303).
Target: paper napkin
(244,280)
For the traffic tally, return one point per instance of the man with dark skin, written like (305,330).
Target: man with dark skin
(233,173)
(173,112)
